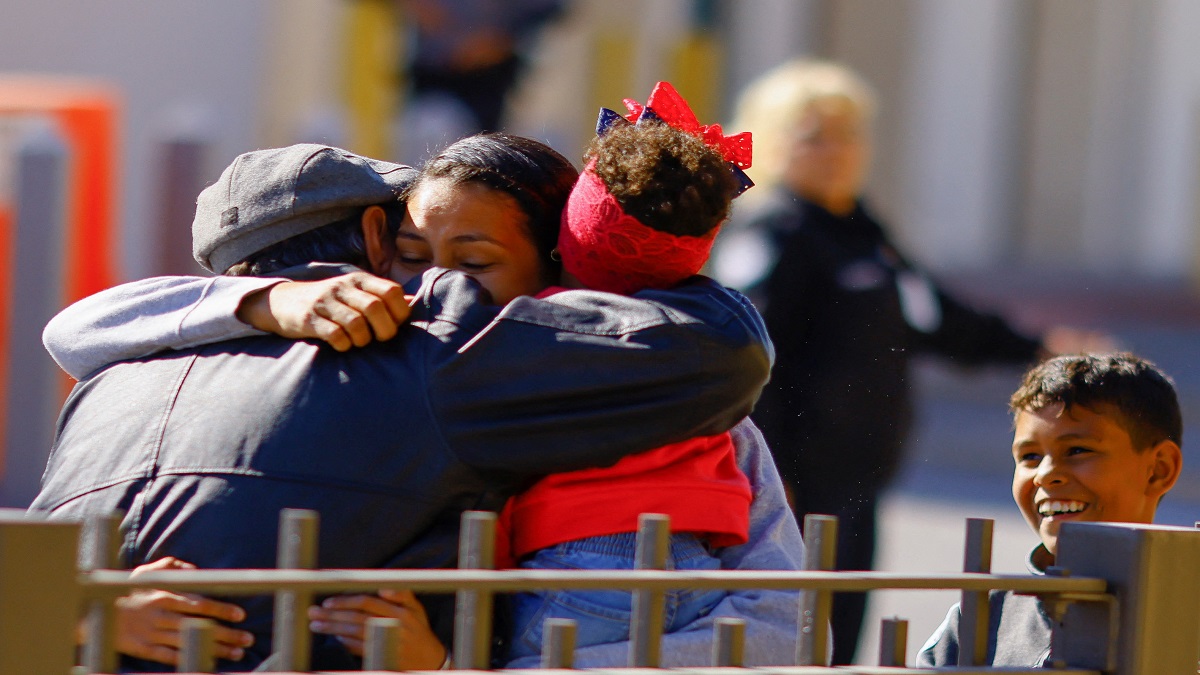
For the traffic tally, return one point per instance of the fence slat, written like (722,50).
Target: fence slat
(198,648)
(38,570)
(649,605)
(383,640)
(729,643)
(893,642)
(100,647)
(292,643)
(820,553)
(977,558)
(558,643)
(473,609)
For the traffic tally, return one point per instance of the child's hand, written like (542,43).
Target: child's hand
(345,616)
(148,621)
(345,311)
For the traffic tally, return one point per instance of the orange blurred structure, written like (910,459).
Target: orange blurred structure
(84,114)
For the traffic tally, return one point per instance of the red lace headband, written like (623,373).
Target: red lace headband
(607,249)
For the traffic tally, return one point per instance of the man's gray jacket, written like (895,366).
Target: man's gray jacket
(202,447)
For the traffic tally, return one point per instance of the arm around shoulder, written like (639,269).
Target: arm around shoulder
(596,376)
(147,316)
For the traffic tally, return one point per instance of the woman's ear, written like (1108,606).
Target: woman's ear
(1168,463)
(381,247)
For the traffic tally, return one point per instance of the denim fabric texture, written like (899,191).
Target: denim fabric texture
(603,616)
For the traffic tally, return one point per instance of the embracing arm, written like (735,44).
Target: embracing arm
(583,378)
(771,616)
(147,316)
(144,317)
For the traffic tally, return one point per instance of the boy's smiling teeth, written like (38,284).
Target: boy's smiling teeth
(1055,507)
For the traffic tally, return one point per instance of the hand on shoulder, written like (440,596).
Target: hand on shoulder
(346,311)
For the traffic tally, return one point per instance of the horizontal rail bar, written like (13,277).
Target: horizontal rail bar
(767,670)
(102,583)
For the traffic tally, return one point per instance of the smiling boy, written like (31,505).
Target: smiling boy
(1096,438)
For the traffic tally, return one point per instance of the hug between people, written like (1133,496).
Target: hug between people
(499,331)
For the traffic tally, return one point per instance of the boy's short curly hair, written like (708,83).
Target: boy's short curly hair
(666,178)
(1142,396)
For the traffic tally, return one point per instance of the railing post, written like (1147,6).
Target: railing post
(977,557)
(181,177)
(558,643)
(1152,572)
(729,644)
(104,551)
(893,642)
(39,593)
(649,606)
(473,609)
(297,550)
(383,639)
(820,553)
(33,295)
(198,653)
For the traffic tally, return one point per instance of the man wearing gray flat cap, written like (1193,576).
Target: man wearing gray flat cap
(267,196)
(203,446)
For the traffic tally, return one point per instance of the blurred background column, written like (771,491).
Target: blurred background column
(58,242)
(964,140)
(36,159)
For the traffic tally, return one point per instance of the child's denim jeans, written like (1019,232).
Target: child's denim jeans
(602,616)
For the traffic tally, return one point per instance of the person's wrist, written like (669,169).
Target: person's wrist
(255,310)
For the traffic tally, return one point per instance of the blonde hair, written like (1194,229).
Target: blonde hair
(772,106)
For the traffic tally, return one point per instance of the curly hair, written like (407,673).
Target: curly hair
(1142,397)
(666,178)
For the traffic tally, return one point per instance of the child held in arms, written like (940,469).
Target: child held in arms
(643,215)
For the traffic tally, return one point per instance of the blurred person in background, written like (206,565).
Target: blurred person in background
(844,307)
(464,57)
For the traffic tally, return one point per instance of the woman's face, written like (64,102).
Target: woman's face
(828,162)
(472,228)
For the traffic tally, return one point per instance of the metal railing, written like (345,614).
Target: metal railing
(1126,598)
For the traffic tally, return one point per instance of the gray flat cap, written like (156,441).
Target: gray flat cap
(267,196)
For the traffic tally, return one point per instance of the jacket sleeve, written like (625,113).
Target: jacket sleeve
(771,616)
(583,378)
(941,649)
(972,337)
(147,316)
(965,334)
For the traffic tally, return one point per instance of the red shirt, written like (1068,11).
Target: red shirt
(696,482)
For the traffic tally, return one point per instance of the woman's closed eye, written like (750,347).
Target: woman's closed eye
(471,267)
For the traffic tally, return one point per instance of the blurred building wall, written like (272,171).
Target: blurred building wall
(181,68)
(1012,131)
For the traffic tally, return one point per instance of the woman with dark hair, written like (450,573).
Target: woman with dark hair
(489,205)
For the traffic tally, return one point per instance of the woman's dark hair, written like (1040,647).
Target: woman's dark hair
(531,172)
(666,178)
(1140,395)
(338,242)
